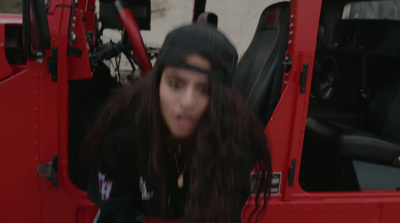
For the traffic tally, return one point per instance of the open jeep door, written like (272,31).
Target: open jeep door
(335,129)
(34,57)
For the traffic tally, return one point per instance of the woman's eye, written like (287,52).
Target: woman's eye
(204,90)
(174,84)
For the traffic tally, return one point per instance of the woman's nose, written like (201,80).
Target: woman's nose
(187,99)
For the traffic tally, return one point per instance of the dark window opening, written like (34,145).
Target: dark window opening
(351,139)
(13,45)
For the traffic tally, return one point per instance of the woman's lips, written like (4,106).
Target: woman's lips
(184,122)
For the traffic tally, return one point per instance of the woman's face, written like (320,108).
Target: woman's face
(184,96)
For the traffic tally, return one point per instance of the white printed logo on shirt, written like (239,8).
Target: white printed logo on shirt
(105,187)
(146,195)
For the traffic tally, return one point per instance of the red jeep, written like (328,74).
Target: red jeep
(320,73)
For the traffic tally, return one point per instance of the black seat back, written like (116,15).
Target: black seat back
(383,116)
(259,72)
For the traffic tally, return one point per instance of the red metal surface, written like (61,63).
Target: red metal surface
(286,126)
(90,20)
(59,122)
(79,67)
(33,128)
(87,9)
(20,148)
(301,46)
(285,129)
(53,4)
(66,203)
(82,5)
(136,39)
(331,211)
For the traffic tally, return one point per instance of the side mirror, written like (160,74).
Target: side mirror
(36,34)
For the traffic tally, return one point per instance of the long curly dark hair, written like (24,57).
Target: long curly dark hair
(229,144)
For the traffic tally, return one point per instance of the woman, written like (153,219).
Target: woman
(181,143)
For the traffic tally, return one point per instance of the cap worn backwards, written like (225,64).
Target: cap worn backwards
(201,39)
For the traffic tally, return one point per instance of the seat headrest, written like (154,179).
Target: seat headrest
(208,18)
(269,18)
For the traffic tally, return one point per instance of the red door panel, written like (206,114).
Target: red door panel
(19,151)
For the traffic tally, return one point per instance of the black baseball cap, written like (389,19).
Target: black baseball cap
(201,39)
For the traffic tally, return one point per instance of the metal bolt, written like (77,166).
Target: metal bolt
(290,42)
(39,55)
(291,25)
(285,83)
(292,16)
(73,25)
(74,18)
(73,36)
(286,74)
(291,33)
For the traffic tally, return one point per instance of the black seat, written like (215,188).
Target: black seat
(334,152)
(259,72)
(379,141)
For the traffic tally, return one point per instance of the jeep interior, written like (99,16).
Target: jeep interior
(351,139)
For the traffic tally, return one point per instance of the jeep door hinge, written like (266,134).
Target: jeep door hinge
(49,170)
(52,66)
(303,78)
(287,64)
(292,169)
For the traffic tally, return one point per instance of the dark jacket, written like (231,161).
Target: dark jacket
(122,189)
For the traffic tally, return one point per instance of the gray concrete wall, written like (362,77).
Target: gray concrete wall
(237,18)
(10,6)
